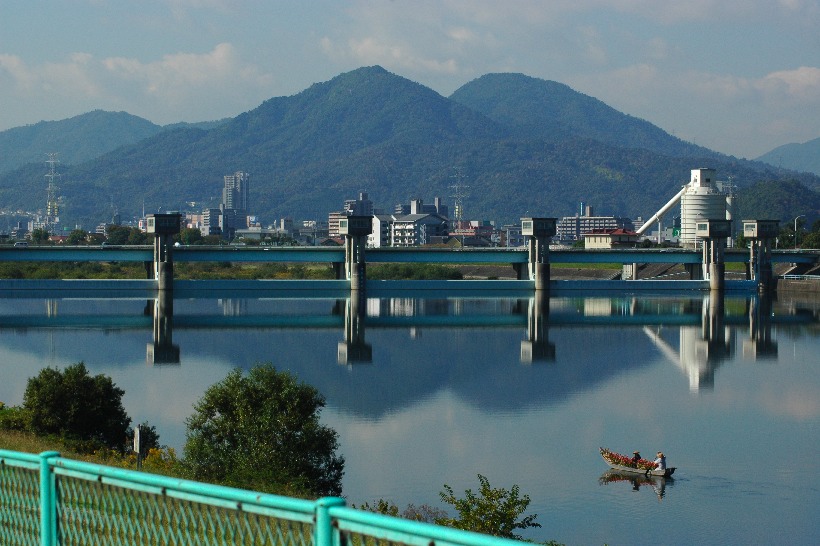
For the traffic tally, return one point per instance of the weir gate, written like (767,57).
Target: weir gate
(705,267)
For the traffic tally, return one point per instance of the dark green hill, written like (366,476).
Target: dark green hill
(370,130)
(799,157)
(781,199)
(76,139)
(549,110)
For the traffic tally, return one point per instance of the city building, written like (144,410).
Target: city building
(380,235)
(362,206)
(511,236)
(236,191)
(232,214)
(474,232)
(417,229)
(573,228)
(417,206)
(611,238)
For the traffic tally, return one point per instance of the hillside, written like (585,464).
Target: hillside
(370,130)
(799,157)
(552,111)
(76,139)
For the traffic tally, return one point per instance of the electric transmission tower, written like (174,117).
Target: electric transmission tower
(52,202)
(459,194)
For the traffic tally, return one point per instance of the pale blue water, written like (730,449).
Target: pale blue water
(731,394)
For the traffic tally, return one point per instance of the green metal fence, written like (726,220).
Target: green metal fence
(48,500)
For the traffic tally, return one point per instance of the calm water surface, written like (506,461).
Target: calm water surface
(426,392)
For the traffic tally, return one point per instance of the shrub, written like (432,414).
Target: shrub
(79,408)
(262,432)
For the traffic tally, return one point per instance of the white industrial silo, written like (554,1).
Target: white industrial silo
(702,200)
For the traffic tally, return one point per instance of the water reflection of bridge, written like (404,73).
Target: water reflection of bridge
(706,324)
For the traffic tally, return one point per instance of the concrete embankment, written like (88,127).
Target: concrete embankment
(811,286)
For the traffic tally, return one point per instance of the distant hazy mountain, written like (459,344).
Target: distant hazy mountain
(799,157)
(553,111)
(76,139)
(541,152)
(81,138)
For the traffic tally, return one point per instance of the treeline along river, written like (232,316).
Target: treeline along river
(428,391)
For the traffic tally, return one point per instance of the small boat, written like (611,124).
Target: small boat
(622,463)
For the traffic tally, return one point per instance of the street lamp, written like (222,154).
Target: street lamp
(795,230)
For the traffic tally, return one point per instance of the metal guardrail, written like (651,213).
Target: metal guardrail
(49,500)
(801,277)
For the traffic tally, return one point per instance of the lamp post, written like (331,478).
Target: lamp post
(795,230)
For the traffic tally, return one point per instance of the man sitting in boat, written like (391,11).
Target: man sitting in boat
(636,456)
(660,461)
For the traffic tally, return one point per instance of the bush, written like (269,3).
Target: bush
(86,411)
(14,418)
(492,512)
(262,432)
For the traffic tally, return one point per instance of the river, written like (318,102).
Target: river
(431,391)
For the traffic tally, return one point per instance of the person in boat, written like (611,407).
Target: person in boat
(660,460)
(636,456)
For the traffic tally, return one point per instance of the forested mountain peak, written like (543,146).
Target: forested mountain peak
(800,157)
(76,139)
(550,110)
(522,145)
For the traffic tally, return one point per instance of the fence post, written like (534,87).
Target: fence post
(48,500)
(323,532)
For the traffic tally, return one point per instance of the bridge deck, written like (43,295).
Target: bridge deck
(381,255)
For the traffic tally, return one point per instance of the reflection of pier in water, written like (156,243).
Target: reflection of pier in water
(706,330)
(703,348)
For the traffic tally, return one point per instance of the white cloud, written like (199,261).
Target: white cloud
(371,50)
(177,74)
(802,83)
(179,86)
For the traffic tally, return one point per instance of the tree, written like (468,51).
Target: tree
(39,236)
(149,437)
(190,236)
(76,237)
(494,512)
(76,406)
(262,431)
(125,235)
(812,240)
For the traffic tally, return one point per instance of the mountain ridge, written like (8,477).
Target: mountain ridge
(371,130)
(799,157)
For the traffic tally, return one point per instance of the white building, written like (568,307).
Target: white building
(417,229)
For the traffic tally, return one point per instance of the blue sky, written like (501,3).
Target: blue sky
(738,76)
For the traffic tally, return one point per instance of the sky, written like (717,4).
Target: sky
(738,76)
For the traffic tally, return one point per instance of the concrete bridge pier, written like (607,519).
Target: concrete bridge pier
(537,347)
(162,350)
(713,233)
(163,227)
(539,231)
(354,349)
(761,233)
(760,344)
(695,271)
(355,230)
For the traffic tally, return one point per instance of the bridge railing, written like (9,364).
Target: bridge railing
(49,500)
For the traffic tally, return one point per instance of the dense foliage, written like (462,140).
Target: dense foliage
(76,406)
(261,431)
(413,272)
(537,147)
(492,511)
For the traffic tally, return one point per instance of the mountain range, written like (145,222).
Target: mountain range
(520,145)
(799,157)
